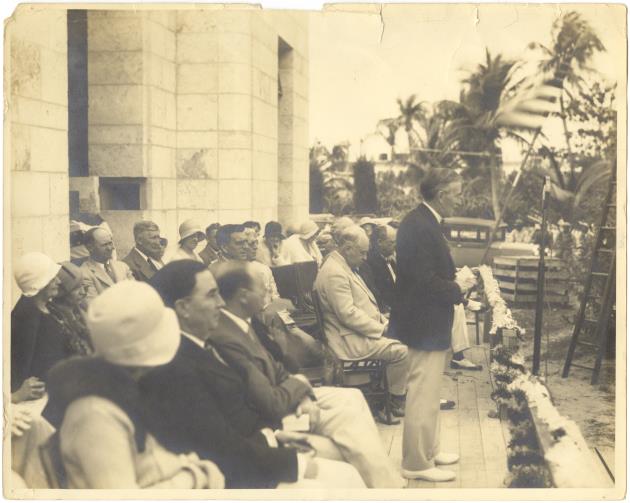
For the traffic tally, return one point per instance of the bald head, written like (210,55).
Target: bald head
(100,244)
(339,225)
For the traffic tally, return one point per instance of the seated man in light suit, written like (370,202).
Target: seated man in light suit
(354,326)
(100,270)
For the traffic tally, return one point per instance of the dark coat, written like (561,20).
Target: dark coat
(37,342)
(384,283)
(275,393)
(202,407)
(422,314)
(140,267)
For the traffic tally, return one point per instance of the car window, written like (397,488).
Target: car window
(469,235)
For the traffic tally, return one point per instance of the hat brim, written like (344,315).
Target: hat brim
(202,236)
(311,234)
(45,279)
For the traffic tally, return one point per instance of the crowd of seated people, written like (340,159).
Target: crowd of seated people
(187,368)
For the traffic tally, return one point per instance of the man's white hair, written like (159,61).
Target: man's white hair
(351,234)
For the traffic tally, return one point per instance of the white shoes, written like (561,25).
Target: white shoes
(435,474)
(430,475)
(446,458)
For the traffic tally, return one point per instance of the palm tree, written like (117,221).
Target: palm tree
(574,43)
(412,113)
(475,120)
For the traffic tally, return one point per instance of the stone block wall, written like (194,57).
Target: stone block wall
(184,101)
(36,136)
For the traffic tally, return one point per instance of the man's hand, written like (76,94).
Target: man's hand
(31,389)
(310,407)
(473,305)
(286,437)
(303,378)
(20,421)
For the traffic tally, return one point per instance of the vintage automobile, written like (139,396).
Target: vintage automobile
(469,237)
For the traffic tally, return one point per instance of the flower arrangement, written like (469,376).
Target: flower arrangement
(565,460)
(501,314)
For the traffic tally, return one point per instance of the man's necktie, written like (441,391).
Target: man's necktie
(110,271)
(151,264)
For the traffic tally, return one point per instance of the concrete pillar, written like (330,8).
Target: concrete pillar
(132,113)
(36,129)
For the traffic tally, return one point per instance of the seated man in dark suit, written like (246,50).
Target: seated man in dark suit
(340,414)
(145,259)
(203,402)
(381,263)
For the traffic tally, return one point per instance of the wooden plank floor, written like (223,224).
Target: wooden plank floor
(467,430)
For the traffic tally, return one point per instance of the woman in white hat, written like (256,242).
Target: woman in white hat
(36,339)
(302,246)
(190,234)
(104,437)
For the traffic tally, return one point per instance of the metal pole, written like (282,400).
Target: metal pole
(540,282)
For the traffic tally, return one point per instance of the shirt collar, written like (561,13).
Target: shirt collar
(194,339)
(145,257)
(240,322)
(437,216)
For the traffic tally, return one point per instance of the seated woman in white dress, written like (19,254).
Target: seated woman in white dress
(190,235)
(302,246)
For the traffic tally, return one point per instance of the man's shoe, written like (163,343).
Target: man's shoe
(446,458)
(381,417)
(430,475)
(398,411)
(465,365)
(446,404)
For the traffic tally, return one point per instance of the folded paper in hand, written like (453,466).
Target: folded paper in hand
(296,423)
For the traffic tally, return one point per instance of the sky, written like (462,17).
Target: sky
(360,66)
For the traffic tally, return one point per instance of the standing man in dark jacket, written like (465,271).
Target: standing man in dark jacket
(422,316)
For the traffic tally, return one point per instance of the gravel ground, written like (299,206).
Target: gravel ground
(591,407)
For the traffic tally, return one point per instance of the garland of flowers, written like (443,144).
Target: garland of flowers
(525,459)
(501,315)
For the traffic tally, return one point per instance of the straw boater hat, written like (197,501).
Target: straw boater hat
(130,326)
(190,228)
(33,271)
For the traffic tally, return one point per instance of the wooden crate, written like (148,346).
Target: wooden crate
(517,278)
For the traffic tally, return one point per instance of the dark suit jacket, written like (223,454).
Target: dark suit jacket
(139,266)
(422,314)
(376,270)
(200,406)
(274,391)
(37,342)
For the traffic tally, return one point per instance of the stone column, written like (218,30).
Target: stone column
(132,114)
(36,130)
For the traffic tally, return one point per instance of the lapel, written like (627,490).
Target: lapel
(99,272)
(146,270)
(355,278)
(439,235)
(254,348)
(206,359)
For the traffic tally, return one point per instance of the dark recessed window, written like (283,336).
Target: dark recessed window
(121,193)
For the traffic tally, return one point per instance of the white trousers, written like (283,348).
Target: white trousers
(421,429)
(459,333)
(351,435)
(330,475)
